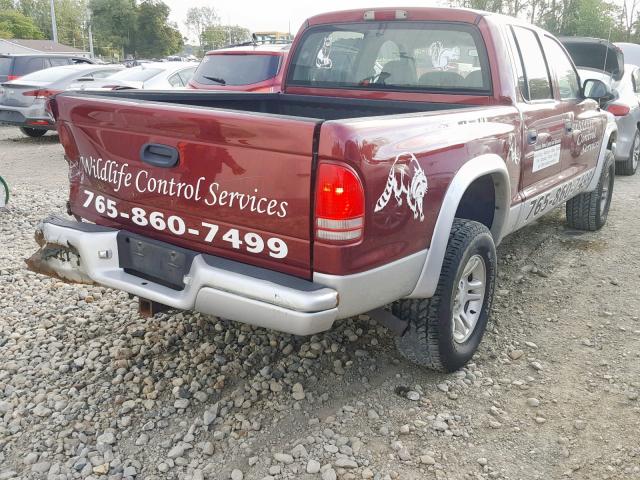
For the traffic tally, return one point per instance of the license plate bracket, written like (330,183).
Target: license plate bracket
(154,260)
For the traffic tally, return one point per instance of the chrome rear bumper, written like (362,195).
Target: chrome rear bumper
(88,253)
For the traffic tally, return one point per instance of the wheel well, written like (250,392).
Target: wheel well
(479,201)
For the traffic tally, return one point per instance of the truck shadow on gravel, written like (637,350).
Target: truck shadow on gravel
(47,139)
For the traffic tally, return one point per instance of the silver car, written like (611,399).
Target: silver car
(148,76)
(601,60)
(23,101)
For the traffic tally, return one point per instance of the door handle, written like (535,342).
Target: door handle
(532,136)
(159,155)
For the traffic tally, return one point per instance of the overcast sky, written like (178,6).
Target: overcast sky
(276,15)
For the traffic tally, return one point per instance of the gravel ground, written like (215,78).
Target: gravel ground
(89,389)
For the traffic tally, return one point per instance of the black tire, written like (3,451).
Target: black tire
(630,165)
(589,211)
(429,340)
(33,132)
(4,192)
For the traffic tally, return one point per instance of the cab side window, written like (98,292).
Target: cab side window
(635,80)
(537,85)
(566,75)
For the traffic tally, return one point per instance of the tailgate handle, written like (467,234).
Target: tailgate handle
(159,155)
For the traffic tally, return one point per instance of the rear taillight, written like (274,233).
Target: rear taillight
(618,110)
(12,77)
(339,209)
(41,93)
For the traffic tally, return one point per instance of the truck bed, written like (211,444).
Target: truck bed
(288,105)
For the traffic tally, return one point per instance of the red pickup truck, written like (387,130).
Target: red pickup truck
(405,145)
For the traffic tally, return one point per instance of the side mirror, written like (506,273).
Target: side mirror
(597,90)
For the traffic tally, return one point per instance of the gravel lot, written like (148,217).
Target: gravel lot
(88,389)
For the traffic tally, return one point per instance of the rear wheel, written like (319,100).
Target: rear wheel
(33,132)
(630,165)
(589,211)
(445,330)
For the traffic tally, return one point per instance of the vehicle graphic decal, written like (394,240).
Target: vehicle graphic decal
(322,59)
(413,189)
(440,56)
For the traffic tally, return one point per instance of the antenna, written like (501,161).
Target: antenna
(606,52)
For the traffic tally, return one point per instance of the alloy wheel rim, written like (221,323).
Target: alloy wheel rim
(467,305)
(636,151)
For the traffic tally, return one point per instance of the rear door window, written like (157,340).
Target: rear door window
(537,82)
(175,80)
(105,73)
(25,65)
(186,75)
(5,65)
(58,62)
(230,69)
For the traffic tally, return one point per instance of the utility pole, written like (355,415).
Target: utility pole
(91,41)
(54,27)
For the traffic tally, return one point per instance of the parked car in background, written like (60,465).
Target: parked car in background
(23,101)
(14,66)
(602,60)
(251,68)
(148,76)
(631,52)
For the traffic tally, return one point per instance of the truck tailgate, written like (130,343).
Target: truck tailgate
(228,183)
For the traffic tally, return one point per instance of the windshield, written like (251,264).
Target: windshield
(48,75)
(135,74)
(433,56)
(5,65)
(225,69)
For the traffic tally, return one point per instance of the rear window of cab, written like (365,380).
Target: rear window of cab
(418,56)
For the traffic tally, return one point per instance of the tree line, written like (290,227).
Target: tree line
(141,27)
(204,23)
(585,18)
(120,27)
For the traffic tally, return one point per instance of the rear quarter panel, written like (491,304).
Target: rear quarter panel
(440,143)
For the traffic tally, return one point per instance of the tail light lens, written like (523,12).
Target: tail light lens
(339,208)
(12,77)
(41,93)
(618,110)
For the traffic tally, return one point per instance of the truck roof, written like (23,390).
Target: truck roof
(270,48)
(465,15)
(412,13)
